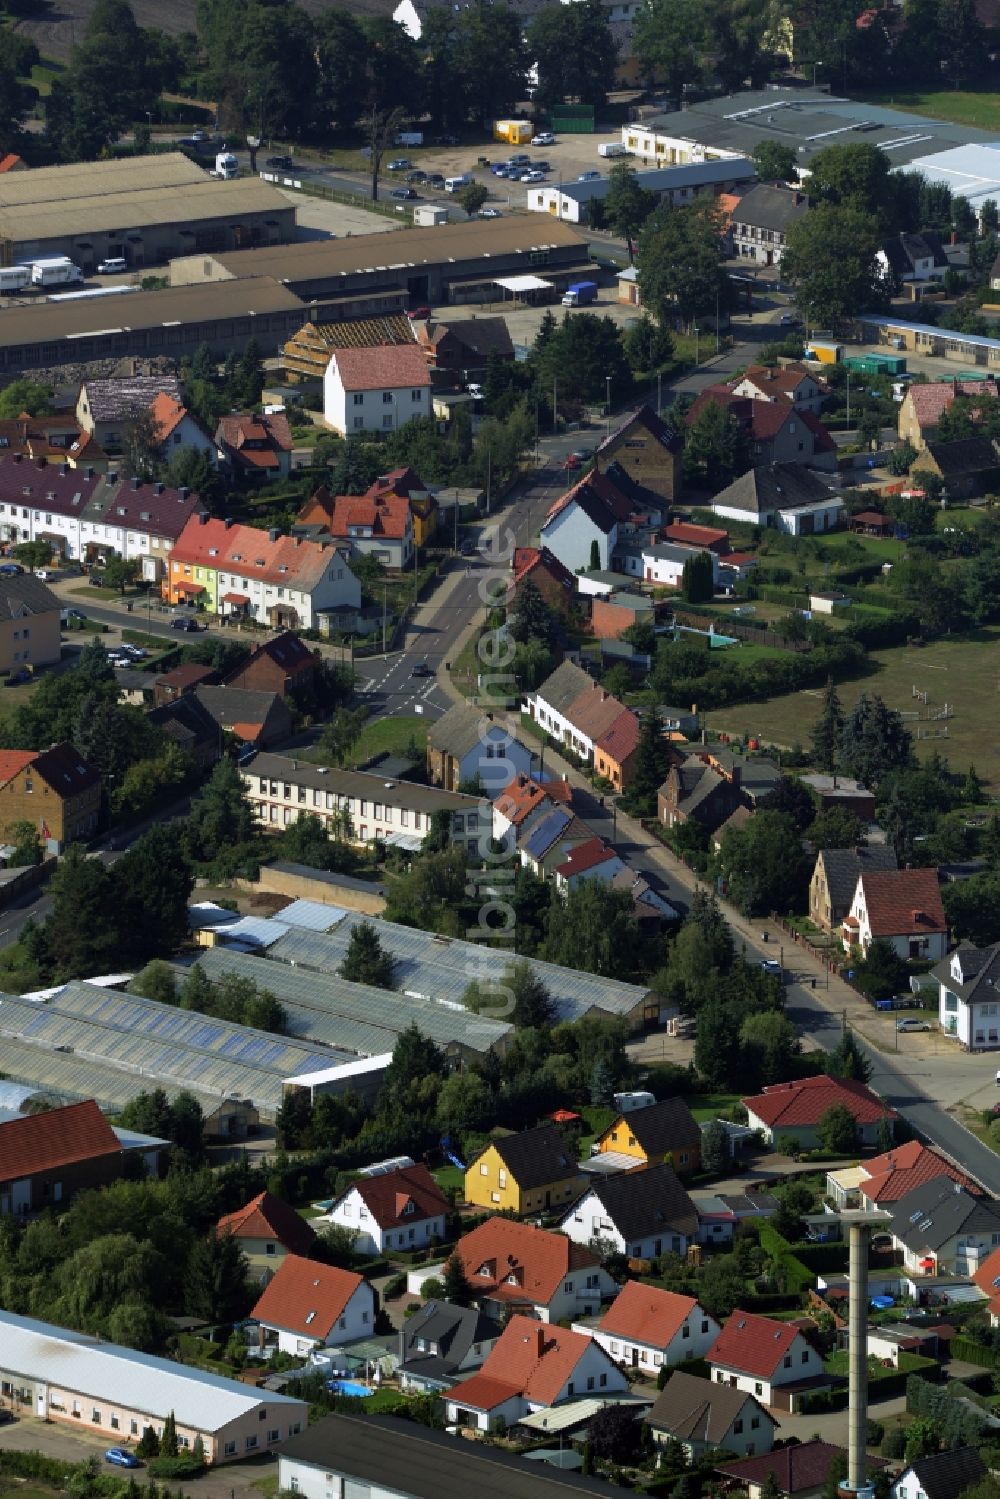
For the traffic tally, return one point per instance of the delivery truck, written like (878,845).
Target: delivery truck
(226,166)
(580,294)
(14,278)
(57,271)
(612,148)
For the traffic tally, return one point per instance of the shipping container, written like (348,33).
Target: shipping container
(514,132)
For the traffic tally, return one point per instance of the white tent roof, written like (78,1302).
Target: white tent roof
(522,283)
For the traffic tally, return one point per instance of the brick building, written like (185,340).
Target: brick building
(55,790)
(46,1158)
(283,665)
(647,450)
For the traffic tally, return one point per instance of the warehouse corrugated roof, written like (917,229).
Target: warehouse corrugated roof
(93,179)
(137,1381)
(48,322)
(448,243)
(122,211)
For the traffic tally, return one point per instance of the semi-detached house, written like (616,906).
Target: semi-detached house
(88,517)
(242,572)
(969,995)
(647,1328)
(573,709)
(357,805)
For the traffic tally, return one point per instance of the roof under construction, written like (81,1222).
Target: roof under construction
(308,351)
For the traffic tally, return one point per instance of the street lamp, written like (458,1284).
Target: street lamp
(607,407)
(815,66)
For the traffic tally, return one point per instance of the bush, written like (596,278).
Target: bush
(184,1465)
(394,1287)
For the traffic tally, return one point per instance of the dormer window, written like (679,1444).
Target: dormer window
(212,551)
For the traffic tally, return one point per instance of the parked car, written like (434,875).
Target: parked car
(541,166)
(912,1024)
(572,460)
(533,177)
(421,670)
(199,135)
(417,176)
(435,180)
(10,569)
(418,312)
(468,547)
(185,622)
(499,169)
(772,966)
(589,177)
(401,164)
(47,574)
(17,677)
(406,193)
(490,213)
(543,138)
(71,616)
(122,1458)
(446,140)
(790,320)
(283,163)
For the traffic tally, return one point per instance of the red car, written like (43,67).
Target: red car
(571,461)
(418,312)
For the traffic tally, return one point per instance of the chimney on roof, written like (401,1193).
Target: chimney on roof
(540,1340)
(797,199)
(64,469)
(183,492)
(88,472)
(157,488)
(227,523)
(202,518)
(735,778)
(273,534)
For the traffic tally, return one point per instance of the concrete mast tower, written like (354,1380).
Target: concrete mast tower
(860,1223)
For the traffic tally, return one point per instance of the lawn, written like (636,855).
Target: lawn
(979,110)
(962,671)
(11,698)
(710,1105)
(393,735)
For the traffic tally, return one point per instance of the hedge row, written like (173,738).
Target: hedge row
(800,1278)
(975,1353)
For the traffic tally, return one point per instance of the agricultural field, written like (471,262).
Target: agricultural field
(962,671)
(981,110)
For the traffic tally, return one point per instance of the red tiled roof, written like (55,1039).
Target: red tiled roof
(646,1314)
(524,794)
(401,481)
(188,674)
(737,559)
(384,515)
(903,902)
(594,711)
(987,1277)
(805,1102)
(9,161)
(526,559)
(763,419)
(782,381)
(385,367)
(696,536)
(516,1262)
(483,1393)
(533,1359)
(58,1137)
(798,1469)
(11,761)
(168,415)
(893,1175)
(601,500)
(268,1217)
(388,1197)
(239,428)
(872,518)
(306,1297)
(622,739)
(586,856)
(930,401)
(753,1345)
(250,553)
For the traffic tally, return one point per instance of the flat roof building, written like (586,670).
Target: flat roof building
(573,201)
(59,1375)
(143,210)
(451,263)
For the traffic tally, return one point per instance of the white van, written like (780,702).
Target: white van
(112,267)
(455,184)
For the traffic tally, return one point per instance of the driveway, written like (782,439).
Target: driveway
(231,1481)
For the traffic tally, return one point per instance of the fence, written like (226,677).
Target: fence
(26,879)
(696,620)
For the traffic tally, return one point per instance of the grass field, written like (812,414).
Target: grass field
(980,110)
(390,734)
(963,671)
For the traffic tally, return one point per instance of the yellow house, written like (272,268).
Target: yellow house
(665,1131)
(267,1230)
(526,1173)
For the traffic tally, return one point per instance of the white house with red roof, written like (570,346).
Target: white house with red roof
(376,389)
(524,802)
(794,1110)
(255,445)
(587,514)
(593,860)
(402,1209)
(764,1357)
(235,570)
(899,906)
(179,429)
(533,1367)
(512,1266)
(646,1328)
(884,1179)
(308,1305)
(267,1229)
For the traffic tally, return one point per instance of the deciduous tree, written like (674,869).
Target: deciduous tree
(680,262)
(831,261)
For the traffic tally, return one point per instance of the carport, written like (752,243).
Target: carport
(525,290)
